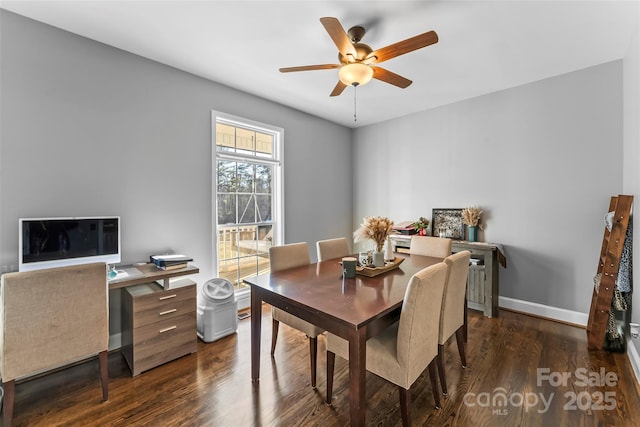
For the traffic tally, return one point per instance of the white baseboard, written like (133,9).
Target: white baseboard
(554,313)
(634,358)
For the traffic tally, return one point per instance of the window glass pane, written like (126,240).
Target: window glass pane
(227,242)
(265,236)
(248,246)
(264,208)
(226,176)
(245,140)
(225,136)
(264,143)
(228,269)
(246,208)
(245,177)
(263,178)
(265,232)
(247,243)
(226,208)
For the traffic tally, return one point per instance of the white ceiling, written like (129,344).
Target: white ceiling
(484,46)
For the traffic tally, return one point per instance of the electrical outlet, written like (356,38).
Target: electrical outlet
(635,330)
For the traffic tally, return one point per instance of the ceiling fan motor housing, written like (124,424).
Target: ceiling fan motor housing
(362,51)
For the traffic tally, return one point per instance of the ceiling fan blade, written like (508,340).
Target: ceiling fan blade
(339,36)
(404,46)
(338,89)
(309,68)
(390,77)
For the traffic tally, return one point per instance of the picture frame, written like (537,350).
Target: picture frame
(447,222)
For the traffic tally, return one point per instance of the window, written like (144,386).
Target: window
(247,190)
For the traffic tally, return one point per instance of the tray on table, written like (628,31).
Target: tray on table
(374,271)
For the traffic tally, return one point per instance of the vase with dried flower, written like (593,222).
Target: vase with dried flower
(376,229)
(471,218)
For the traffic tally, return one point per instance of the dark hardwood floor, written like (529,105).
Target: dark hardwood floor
(213,388)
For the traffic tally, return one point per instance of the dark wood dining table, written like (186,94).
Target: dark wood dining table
(354,309)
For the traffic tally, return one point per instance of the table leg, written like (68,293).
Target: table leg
(357,375)
(465,321)
(256,328)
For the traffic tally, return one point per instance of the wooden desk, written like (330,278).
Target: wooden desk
(145,273)
(354,309)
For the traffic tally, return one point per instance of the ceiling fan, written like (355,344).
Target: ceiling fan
(357,59)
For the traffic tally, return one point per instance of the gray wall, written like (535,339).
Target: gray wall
(87,129)
(631,78)
(542,160)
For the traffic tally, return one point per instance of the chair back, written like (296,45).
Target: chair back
(439,247)
(289,256)
(52,317)
(452,316)
(332,248)
(417,343)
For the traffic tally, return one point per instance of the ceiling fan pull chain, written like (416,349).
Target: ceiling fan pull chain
(355,103)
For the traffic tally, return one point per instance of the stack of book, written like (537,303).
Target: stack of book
(170,262)
(405,228)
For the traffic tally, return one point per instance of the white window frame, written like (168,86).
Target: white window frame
(278,184)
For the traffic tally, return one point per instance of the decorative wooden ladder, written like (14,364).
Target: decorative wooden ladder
(608,266)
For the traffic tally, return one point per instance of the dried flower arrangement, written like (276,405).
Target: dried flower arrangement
(471,216)
(374,228)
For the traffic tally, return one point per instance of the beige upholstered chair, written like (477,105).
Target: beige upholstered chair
(282,258)
(401,353)
(453,309)
(332,248)
(51,318)
(430,246)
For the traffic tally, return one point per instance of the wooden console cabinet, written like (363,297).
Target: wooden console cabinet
(158,324)
(483,280)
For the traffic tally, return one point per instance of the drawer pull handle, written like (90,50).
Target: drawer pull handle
(168,297)
(168,311)
(167,329)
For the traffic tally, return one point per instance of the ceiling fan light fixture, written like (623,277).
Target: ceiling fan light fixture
(356,74)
